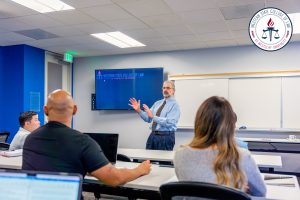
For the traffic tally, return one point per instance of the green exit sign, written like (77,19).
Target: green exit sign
(68,57)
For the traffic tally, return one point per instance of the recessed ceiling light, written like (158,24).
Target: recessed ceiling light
(43,6)
(295,18)
(118,39)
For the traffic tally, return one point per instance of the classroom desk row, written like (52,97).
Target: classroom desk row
(265,161)
(281,188)
(268,161)
(148,186)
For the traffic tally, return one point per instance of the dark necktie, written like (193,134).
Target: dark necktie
(154,124)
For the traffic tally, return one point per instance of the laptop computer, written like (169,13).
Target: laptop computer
(108,143)
(32,185)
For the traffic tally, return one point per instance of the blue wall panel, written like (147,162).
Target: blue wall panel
(23,75)
(34,76)
(1,87)
(13,70)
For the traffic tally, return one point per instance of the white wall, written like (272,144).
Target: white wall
(133,131)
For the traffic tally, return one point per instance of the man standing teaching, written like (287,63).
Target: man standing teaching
(164,115)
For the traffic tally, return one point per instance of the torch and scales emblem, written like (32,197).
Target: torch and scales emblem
(270,29)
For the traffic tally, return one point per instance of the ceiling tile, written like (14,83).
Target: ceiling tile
(11,37)
(39,21)
(127,24)
(288,6)
(241,34)
(83,39)
(12,9)
(238,24)
(202,16)
(162,20)
(70,17)
(295,37)
(208,27)
(191,45)
(37,34)
(169,47)
(221,43)
(163,25)
(187,5)
(226,3)
(142,33)
(242,11)
(182,39)
(215,36)
(244,41)
(107,12)
(93,28)
(12,24)
(146,8)
(64,31)
(86,3)
(155,41)
(173,30)
(52,42)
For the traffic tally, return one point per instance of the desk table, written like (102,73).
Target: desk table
(11,162)
(268,161)
(148,186)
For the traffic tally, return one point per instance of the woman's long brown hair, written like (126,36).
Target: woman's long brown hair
(215,125)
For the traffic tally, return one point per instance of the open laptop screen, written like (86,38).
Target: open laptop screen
(108,143)
(27,185)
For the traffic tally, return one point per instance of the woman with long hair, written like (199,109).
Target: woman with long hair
(213,155)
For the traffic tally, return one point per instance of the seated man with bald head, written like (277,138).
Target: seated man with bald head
(59,148)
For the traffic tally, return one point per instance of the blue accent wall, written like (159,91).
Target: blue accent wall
(23,75)
(34,76)
(1,87)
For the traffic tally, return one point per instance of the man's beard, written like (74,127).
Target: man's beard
(166,95)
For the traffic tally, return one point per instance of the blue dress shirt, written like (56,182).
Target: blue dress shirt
(169,116)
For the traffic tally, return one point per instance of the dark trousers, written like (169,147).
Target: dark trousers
(161,140)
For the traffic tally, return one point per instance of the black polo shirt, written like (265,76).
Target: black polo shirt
(58,148)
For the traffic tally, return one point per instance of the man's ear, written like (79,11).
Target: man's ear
(46,110)
(26,123)
(74,109)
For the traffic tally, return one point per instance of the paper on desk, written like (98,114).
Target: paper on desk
(14,153)
(288,182)
(172,179)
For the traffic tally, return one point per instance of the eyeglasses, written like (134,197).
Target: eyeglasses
(167,88)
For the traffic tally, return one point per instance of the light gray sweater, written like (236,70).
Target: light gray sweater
(197,165)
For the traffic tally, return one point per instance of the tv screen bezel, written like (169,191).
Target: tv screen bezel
(129,108)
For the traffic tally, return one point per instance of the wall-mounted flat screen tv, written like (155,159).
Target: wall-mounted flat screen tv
(114,87)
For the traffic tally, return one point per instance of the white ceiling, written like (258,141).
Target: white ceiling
(162,25)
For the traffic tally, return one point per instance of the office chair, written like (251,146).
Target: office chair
(4,136)
(4,146)
(200,189)
(124,158)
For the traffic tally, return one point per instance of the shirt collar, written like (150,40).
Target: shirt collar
(24,130)
(171,98)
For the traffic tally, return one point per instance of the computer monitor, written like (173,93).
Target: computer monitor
(108,143)
(31,185)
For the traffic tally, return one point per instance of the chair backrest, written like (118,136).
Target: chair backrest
(108,143)
(4,146)
(4,136)
(200,189)
(122,157)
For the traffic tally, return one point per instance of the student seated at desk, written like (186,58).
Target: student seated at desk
(57,147)
(213,155)
(29,121)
